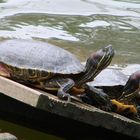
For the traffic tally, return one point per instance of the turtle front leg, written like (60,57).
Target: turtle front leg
(63,91)
(97,98)
(58,85)
(61,86)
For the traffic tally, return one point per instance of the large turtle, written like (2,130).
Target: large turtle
(111,80)
(49,67)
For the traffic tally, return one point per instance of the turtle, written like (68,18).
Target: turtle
(111,81)
(51,68)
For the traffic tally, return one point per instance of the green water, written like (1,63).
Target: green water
(80,26)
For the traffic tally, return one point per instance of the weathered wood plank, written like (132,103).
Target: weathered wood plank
(19,92)
(74,110)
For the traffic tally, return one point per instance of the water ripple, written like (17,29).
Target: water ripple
(87,24)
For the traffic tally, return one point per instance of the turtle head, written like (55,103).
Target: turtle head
(96,63)
(132,86)
(99,61)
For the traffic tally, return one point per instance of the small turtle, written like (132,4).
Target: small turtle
(118,82)
(110,81)
(49,67)
(122,86)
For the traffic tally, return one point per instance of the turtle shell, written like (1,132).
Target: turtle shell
(109,77)
(130,69)
(29,54)
(111,81)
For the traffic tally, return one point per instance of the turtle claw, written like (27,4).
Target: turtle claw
(67,97)
(64,96)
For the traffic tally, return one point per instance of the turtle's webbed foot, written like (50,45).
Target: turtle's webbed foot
(65,85)
(124,109)
(64,96)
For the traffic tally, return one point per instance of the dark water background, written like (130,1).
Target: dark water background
(80,26)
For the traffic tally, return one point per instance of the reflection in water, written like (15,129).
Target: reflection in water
(80,26)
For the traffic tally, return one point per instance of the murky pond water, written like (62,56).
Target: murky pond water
(80,26)
(24,133)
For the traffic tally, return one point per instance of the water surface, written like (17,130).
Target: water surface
(80,26)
